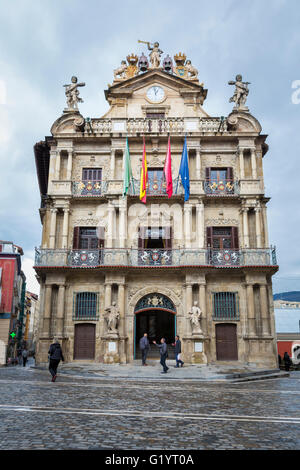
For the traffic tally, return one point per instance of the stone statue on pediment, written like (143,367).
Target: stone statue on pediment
(120,72)
(154,55)
(241,92)
(192,71)
(72,94)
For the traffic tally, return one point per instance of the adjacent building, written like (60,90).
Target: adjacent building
(12,300)
(287,321)
(200,265)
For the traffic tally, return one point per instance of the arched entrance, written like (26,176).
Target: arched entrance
(155,314)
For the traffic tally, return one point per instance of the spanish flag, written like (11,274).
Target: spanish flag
(144,176)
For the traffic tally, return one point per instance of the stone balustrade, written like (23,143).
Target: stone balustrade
(134,126)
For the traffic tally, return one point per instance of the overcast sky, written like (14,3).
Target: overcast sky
(44,42)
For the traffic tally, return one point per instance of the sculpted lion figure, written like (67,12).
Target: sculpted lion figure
(120,71)
(191,69)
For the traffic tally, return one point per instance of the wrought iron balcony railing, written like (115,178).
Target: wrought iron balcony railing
(221,188)
(89,188)
(128,257)
(156,187)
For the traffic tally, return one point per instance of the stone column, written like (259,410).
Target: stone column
(122,333)
(52,164)
(245,227)
(110,226)
(189,304)
(242,165)
(251,311)
(107,301)
(264,309)
(112,163)
(200,224)
(47,310)
(57,164)
(202,305)
(266,231)
(121,298)
(258,227)
(65,229)
(52,231)
(69,165)
(253,162)
(187,225)
(122,226)
(198,163)
(60,310)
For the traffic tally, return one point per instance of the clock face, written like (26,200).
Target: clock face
(155,94)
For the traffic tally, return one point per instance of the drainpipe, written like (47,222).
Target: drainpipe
(20,328)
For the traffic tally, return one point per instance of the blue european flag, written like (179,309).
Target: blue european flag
(184,171)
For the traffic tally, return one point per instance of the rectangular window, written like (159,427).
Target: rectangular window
(94,175)
(226,306)
(85,306)
(219,181)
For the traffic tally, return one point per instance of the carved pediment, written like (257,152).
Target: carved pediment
(126,87)
(68,123)
(243,122)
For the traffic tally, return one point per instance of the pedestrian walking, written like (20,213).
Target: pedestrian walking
(287,361)
(279,360)
(24,356)
(177,345)
(55,355)
(19,356)
(144,347)
(163,349)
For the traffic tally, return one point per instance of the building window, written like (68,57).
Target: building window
(226,306)
(92,175)
(86,238)
(156,182)
(219,181)
(155,246)
(86,306)
(222,238)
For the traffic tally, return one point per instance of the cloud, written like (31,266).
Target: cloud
(32,284)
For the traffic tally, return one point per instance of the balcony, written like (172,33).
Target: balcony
(89,188)
(221,188)
(129,257)
(156,187)
(138,126)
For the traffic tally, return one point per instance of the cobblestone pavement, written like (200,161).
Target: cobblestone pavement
(82,413)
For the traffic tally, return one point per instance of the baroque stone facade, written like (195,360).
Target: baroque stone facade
(111,268)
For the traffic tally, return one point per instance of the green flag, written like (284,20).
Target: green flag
(127,170)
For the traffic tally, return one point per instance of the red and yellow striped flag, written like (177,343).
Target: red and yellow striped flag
(144,177)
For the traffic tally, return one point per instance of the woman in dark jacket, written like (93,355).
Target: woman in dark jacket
(55,355)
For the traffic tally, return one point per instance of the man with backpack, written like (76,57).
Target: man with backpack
(55,355)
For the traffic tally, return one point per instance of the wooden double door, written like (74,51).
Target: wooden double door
(226,342)
(84,342)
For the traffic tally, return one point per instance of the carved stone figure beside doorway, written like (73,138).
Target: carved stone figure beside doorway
(195,319)
(111,317)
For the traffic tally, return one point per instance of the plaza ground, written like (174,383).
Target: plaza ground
(92,412)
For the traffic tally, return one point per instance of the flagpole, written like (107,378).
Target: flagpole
(179,169)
